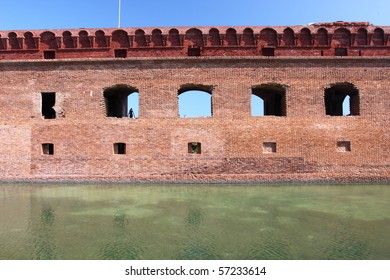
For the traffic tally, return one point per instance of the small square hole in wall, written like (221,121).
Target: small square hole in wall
(194,148)
(343,146)
(48,149)
(269,147)
(266,51)
(49,54)
(341,52)
(119,148)
(193,51)
(120,53)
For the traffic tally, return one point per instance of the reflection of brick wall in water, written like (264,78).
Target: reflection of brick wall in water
(64,111)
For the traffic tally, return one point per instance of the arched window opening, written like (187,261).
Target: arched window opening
(342,99)
(117,101)
(100,39)
(48,40)
(13,41)
(214,38)
(84,39)
(322,37)
(342,37)
(140,39)
(248,38)
(133,105)
(268,37)
(1,44)
(174,38)
(67,40)
(195,101)
(257,106)
(195,37)
(361,37)
(305,37)
(288,37)
(29,41)
(157,38)
(378,38)
(120,39)
(274,99)
(231,37)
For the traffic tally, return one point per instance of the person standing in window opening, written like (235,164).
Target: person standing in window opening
(131,113)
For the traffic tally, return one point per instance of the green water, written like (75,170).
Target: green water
(194,222)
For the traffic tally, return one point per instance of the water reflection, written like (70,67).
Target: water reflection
(43,240)
(195,222)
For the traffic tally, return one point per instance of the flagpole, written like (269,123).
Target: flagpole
(119,13)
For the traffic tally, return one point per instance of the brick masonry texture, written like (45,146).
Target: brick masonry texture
(305,140)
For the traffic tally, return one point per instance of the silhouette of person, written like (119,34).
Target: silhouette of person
(131,113)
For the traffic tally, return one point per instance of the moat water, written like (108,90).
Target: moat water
(194,222)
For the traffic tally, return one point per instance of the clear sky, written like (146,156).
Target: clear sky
(67,14)
(50,14)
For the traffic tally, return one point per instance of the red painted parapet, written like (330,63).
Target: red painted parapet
(317,39)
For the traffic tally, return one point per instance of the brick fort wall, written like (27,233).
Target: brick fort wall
(301,137)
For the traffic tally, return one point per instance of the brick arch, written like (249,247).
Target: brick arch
(29,40)
(194,37)
(157,38)
(100,39)
(84,39)
(378,37)
(13,41)
(274,97)
(174,37)
(268,37)
(120,39)
(322,38)
(116,99)
(335,95)
(288,37)
(341,37)
(305,37)
(48,40)
(67,40)
(248,38)
(1,43)
(361,38)
(140,38)
(231,37)
(200,93)
(214,38)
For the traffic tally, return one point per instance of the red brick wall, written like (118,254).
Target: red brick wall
(157,142)
(322,39)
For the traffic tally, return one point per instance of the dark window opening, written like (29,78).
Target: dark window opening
(48,102)
(195,101)
(341,52)
(49,54)
(268,51)
(193,51)
(194,148)
(269,147)
(274,99)
(120,53)
(342,100)
(48,149)
(118,103)
(119,148)
(343,146)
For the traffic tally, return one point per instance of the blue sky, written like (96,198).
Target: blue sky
(67,14)
(50,14)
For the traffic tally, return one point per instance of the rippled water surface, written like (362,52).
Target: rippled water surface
(194,222)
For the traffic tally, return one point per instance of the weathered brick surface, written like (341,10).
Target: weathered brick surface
(157,142)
